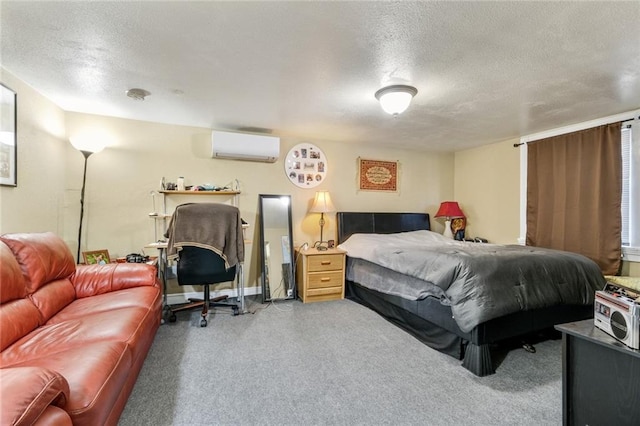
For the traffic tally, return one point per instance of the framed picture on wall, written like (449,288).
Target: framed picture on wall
(8,137)
(306,165)
(377,175)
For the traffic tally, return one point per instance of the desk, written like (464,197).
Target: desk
(163,263)
(600,383)
(162,270)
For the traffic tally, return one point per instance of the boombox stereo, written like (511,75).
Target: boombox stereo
(617,312)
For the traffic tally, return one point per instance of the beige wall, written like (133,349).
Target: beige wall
(487,187)
(631,269)
(37,203)
(120,179)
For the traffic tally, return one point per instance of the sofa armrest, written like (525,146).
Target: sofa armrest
(27,392)
(90,280)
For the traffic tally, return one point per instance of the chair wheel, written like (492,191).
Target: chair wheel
(203,322)
(528,347)
(172,317)
(236,311)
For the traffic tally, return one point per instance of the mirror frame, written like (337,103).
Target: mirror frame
(263,278)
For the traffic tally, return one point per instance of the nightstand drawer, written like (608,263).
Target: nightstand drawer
(326,279)
(328,291)
(326,262)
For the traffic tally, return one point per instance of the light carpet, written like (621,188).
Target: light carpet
(330,363)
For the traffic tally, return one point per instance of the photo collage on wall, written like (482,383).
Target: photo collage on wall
(306,165)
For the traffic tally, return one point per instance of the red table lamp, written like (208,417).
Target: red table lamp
(449,210)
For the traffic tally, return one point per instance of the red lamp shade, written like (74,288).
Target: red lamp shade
(450,210)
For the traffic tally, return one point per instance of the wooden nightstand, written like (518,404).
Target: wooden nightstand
(320,274)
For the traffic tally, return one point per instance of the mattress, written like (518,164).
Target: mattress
(479,281)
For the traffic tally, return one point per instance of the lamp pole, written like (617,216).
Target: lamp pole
(84,180)
(321,204)
(321,226)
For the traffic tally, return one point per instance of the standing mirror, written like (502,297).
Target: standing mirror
(276,247)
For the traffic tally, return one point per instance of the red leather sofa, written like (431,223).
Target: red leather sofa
(73,338)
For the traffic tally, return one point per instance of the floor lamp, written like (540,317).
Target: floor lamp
(86,149)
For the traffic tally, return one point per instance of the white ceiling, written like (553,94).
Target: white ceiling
(485,71)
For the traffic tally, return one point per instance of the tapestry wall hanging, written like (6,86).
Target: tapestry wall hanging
(377,175)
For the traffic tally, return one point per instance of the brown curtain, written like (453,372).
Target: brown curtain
(574,185)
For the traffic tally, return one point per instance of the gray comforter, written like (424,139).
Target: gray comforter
(479,281)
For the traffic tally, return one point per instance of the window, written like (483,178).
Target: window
(626,166)
(630,205)
(630,202)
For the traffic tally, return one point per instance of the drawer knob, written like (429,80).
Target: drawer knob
(325,262)
(325,279)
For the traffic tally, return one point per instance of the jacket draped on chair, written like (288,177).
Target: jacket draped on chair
(222,233)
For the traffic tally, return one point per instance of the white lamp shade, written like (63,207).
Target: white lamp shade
(88,145)
(322,203)
(395,100)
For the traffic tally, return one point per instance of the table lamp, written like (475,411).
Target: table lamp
(449,210)
(322,204)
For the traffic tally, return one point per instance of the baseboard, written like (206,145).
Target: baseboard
(177,298)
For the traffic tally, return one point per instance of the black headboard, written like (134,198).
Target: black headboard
(379,223)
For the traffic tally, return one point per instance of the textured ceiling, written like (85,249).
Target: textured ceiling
(485,71)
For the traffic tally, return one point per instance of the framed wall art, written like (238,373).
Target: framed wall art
(8,137)
(377,175)
(306,165)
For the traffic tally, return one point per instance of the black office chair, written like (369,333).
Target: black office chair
(195,230)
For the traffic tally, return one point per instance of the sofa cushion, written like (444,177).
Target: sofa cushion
(95,372)
(18,315)
(18,318)
(43,257)
(120,325)
(11,279)
(141,297)
(90,280)
(52,297)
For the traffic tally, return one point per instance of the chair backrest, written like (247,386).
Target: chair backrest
(213,226)
(198,266)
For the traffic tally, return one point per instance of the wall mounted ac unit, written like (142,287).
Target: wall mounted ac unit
(245,146)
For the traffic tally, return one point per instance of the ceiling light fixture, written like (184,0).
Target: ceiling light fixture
(138,94)
(396,99)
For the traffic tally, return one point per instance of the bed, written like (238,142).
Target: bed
(438,314)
